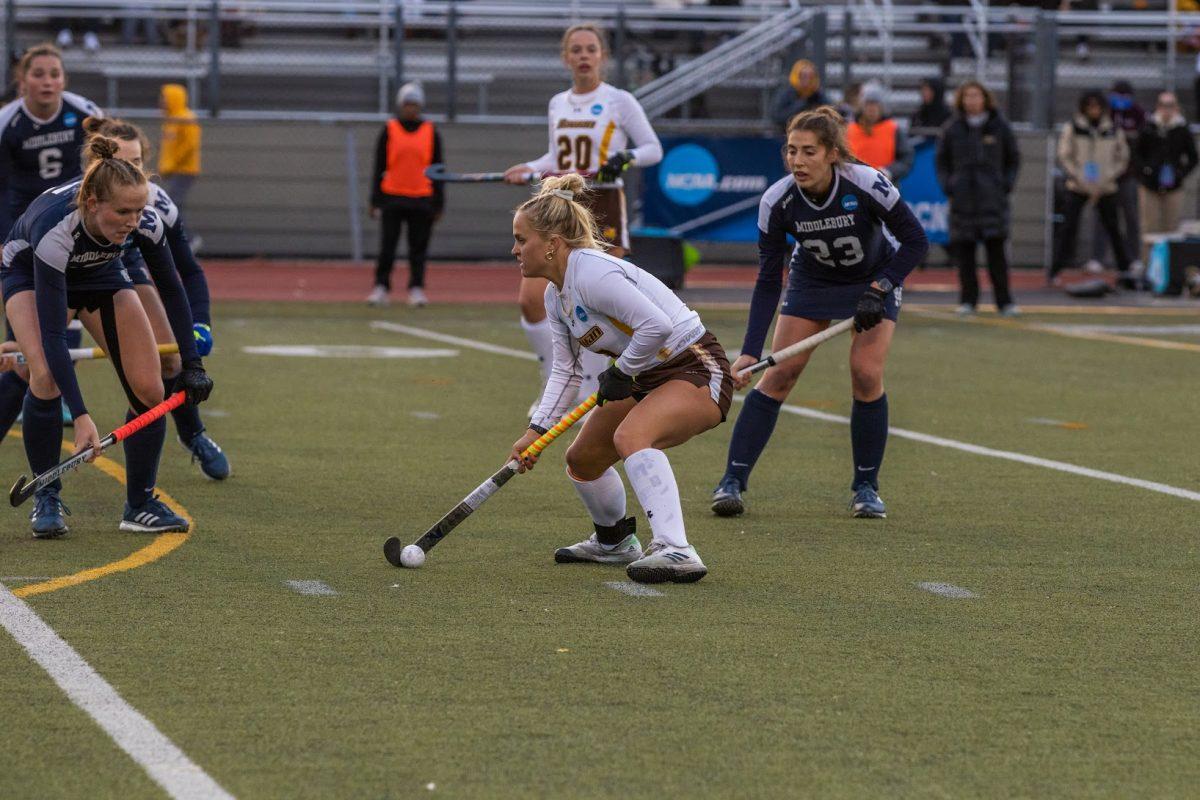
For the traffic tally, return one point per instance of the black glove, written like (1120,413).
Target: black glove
(615,165)
(194,381)
(614,385)
(869,311)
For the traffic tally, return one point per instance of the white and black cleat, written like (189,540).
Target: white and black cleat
(663,563)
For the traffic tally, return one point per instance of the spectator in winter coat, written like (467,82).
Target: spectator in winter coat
(876,139)
(1093,154)
(1165,155)
(179,153)
(802,93)
(933,111)
(1129,116)
(977,162)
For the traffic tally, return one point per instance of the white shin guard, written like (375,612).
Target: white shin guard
(604,497)
(653,481)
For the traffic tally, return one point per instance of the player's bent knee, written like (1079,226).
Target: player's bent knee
(866,383)
(42,384)
(585,464)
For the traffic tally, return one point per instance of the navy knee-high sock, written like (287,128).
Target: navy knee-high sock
(142,451)
(751,433)
(12,399)
(868,438)
(187,417)
(43,433)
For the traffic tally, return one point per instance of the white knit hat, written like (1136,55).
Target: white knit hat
(410,93)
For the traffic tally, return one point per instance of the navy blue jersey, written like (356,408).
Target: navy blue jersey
(50,242)
(190,271)
(850,237)
(38,154)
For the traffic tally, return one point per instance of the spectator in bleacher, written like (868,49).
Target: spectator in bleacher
(179,152)
(401,194)
(933,111)
(1093,154)
(877,140)
(66,33)
(851,101)
(1128,115)
(1165,154)
(802,93)
(977,163)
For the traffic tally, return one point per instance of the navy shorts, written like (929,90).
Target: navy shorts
(817,299)
(82,284)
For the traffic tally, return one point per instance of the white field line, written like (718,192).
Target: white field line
(948,590)
(1148,330)
(421,333)
(633,589)
(312,587)
(165,763)
(925,438)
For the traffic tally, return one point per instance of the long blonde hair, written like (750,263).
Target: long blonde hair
(556,210)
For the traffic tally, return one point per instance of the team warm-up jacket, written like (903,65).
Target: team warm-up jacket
(610,306)
(39,154)
(842,240)
(587,129)
(50,237)
(195,285)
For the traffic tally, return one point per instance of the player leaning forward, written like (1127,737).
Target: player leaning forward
(844,217)
(670,381)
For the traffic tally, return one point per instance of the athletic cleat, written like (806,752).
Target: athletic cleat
(867,504)
(378,297)
(213,462)
(417,298)
(663,563)
(47,519)
(727,498)
(590,549)
(152,517)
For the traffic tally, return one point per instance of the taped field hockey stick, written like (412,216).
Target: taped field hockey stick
(22,491)
(393,546)
(90,353)
(438,173)
(802,346)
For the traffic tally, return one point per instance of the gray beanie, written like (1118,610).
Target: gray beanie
(410,93)
(875,94)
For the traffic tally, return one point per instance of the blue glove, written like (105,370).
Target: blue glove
(203,336)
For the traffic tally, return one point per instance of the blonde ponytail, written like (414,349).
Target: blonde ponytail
(557,210)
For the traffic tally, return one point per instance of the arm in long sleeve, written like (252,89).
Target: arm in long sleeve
(1012,158)
(904,225)
(648,149)
(944,163)
(439,187)
(1066,154)
(613,295)
(6,220)
(1189,155)
(166,280)
(50,296)
(773,253)
(191,274)
(904,157)
(1120,153)
(565,375)
(379,166)
(784,105)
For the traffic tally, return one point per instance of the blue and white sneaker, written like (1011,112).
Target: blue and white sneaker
(663,563)
(727,498)
(153,516)
(48,518)
(867,503)
(213,462)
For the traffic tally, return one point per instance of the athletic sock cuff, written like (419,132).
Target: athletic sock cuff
(869,404)
(757,399)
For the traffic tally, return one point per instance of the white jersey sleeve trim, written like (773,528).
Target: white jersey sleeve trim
(83,104)
(55,247)
(7,112)
(873,182)
(565,375)
(770,197)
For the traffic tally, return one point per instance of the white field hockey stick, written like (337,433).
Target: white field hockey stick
(393,547)
(802,346)
(90,353)
(438,173)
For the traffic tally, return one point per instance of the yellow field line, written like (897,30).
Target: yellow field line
(1161,344)
(161,545)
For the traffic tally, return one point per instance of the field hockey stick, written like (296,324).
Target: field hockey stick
(393,547)
(89,353)
(22,491)
(802,346)
(438,173)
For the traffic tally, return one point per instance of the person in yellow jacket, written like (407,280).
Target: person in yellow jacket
(179,153)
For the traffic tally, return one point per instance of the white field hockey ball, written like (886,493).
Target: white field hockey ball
(412,556)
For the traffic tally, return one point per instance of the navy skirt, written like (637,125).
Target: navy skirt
(814,298)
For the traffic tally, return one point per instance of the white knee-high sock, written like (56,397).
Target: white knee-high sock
(541,339)
(604,497)
(654,483)
(591,365)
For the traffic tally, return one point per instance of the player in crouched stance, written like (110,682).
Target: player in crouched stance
(670,381)
(839,212)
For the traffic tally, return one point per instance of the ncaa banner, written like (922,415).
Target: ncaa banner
(707,189)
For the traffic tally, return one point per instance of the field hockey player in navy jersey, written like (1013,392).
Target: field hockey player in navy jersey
(855,242)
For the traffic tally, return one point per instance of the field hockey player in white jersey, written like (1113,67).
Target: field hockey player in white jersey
(670,381)
(596,130)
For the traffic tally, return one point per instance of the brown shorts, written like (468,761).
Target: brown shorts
(702,364)
(608,207)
